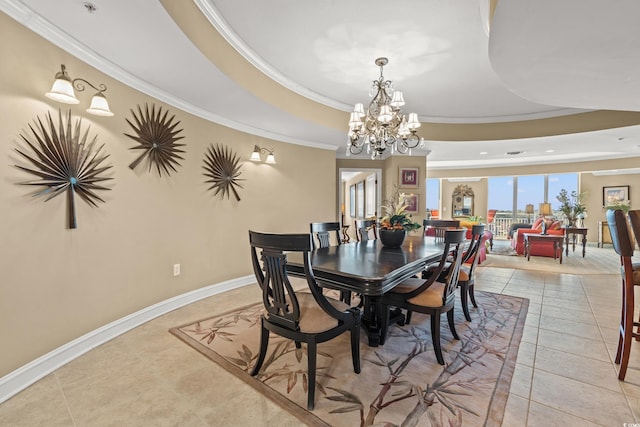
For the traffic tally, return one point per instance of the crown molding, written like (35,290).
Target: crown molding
(39,25)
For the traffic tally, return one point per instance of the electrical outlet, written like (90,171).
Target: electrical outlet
(176,269)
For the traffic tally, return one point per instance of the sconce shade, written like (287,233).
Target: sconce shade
(99,106)
(271,159)
(255,156)
(62,90)
(529,209)
(545,209)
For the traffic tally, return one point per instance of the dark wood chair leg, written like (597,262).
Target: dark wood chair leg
(407,318)
(452,324)
(435,337)
(464,300)
(472,295)
(264,343)
(311,375)
(355,349)
(626,351)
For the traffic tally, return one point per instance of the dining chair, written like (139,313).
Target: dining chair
(364,227)
(322,232)
(430,296)
(307,317)
(466,279)
(622,244)
(437,227)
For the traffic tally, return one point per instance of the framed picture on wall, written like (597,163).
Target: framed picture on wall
(615,195)
(409,177)
(352,201)
(413,203)
(360,199)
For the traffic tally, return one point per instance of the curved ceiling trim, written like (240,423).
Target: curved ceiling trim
(218,22)
(27,17)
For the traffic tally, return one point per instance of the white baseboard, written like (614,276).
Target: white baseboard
(23,377)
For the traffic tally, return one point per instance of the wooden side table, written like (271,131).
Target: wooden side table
(573,231)
(531,238)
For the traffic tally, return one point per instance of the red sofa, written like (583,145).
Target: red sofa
(540,248)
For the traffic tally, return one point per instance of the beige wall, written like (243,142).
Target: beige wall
(59,284)
(480,194)
(390,177)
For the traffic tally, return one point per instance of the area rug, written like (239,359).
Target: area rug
(400,383)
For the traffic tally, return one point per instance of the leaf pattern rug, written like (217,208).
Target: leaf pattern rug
(401,383)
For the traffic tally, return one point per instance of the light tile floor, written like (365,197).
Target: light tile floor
(565,373)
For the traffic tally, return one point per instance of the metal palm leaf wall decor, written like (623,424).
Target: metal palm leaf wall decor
(156,135)
(222,169)
(64,161)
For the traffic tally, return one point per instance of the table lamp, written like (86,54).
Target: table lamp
(529,211)
(545,210)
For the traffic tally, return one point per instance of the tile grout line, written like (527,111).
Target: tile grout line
(64,396)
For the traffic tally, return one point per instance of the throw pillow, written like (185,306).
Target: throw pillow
(537,224)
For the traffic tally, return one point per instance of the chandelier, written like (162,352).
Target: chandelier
(384,125)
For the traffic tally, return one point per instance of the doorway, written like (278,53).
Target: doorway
(359,196)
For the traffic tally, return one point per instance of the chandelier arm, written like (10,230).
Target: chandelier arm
(355,148)
(412,141)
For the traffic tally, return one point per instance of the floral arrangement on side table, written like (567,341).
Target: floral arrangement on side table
(572,205)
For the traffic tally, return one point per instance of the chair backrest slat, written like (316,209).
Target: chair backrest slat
(270,269)
(454,240)
(278,295)
(471,256)
(439,226)
(322,232)
(363,228)
(453,244)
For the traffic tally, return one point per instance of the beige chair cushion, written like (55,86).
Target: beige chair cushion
(313,319)
(430,297)
(464,273)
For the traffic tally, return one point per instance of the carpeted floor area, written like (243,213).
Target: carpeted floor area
(401,383)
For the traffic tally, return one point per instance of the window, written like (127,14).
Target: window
(500,195)
(530,192)
(433,197)
(568,181)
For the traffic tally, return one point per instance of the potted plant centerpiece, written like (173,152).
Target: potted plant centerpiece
(396,221)
(572,205)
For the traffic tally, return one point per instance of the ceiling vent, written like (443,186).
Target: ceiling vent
(513,153)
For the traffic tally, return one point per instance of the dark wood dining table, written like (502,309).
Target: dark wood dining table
(369,269)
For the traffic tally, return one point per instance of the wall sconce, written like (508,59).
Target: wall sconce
(255,156)
(62,91)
